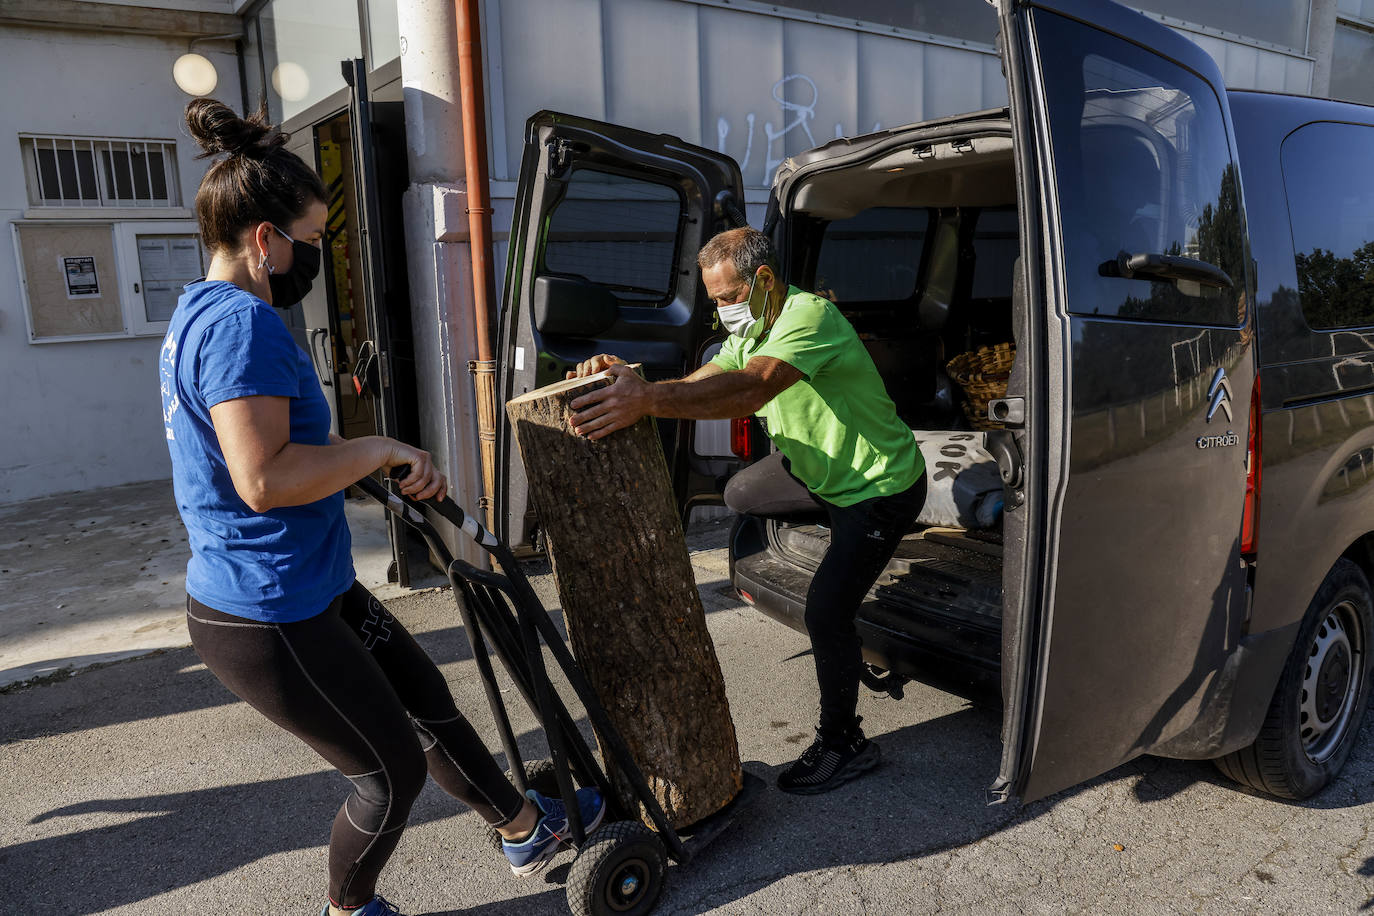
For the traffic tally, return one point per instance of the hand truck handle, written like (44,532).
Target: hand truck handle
(407,508)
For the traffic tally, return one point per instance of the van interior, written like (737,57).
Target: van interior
(917,246)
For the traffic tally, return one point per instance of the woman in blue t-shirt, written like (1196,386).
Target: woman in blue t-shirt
(273,607)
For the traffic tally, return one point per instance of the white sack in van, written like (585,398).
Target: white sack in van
(963,485)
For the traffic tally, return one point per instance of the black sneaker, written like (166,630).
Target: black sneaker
(824,766)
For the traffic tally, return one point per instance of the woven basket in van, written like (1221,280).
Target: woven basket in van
(982,374)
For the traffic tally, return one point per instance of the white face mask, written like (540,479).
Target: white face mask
(745,319)
(738,320)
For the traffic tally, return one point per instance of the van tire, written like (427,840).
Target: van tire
(1288,759)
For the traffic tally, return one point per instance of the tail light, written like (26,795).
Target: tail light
(1249,526)
(741,438)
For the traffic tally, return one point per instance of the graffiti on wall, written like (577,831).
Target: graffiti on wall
(796,116)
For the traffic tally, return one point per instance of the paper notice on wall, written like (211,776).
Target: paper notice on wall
(159,302)
(169,258)
(166,263)
(185,258)
(153,259)
(82,282)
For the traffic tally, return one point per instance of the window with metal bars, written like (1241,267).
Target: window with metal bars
(100,171)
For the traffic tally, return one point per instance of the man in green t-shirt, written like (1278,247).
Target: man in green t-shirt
(794,361)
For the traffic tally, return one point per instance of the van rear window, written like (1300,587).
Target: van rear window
(617,231)
(874,256)
(1330,188)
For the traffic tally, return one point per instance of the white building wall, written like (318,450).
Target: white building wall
(86,414)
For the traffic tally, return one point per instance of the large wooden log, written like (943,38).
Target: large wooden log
(630,601)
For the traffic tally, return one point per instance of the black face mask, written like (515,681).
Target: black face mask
(292,286)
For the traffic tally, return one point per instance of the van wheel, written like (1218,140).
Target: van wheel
(1320,700)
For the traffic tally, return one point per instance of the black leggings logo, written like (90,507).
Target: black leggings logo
(377,627)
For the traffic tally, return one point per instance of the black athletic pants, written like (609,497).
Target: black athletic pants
(355,686)
(863,537)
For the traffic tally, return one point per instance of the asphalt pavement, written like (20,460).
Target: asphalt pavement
(144,787)
(97,576)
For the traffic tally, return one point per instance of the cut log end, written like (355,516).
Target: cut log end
(558,388)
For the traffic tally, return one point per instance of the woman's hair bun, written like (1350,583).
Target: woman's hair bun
(218,129)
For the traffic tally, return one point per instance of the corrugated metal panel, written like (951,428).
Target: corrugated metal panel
(1271,71)
(1214,46)
(1298,77)
(653,78)
(742,59)
(761,87)
(1244,66)
(820,87)
(953,81)
(757,87)
(551,56)
(892,82)
(1241,66)
(994,83)
(1361,8)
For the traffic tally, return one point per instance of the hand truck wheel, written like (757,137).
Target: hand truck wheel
(618,871)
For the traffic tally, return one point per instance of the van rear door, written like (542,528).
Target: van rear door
(607,225)
(1136,392)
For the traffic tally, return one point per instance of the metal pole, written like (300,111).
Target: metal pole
(437,259)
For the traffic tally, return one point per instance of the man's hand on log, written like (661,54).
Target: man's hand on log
(616,406)
(594,365)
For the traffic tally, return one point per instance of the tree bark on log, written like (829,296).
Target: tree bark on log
(630,600)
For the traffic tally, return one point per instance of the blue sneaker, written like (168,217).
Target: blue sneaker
(549,833)
(377,906)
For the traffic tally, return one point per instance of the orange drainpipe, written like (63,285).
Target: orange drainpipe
(475,162)
(471,103)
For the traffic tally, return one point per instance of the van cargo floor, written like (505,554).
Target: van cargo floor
(941,588)
(943,572)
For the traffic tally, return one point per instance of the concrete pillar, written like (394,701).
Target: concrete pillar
(1321,43)
(437,254)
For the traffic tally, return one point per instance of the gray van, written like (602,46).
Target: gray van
(1181,564)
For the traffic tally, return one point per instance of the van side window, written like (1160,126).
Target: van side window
(1330,186)
(874,256)
(1143,166)
(617,231)
(996,243)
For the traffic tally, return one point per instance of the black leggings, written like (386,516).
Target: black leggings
(355,686)
(863,537)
